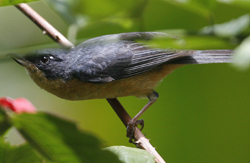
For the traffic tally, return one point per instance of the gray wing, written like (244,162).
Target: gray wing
(115,57)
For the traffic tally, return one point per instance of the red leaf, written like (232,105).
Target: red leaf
(19,105)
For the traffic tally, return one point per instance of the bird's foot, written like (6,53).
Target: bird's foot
(131,128)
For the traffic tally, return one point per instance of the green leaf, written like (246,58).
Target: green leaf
(4,124)
(196,6)
(105,8)
(242,55)
(17,154)
(60,140)
(242,3)
(66,8)
(131,155)
(184,41)
(232,28)
(14,2)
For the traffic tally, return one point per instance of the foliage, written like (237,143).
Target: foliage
(14,2)
(87,19)
(53,139)
(131,155)
(194,24)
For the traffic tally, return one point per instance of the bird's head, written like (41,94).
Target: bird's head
(48,63)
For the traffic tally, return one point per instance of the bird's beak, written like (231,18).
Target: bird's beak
(20,60)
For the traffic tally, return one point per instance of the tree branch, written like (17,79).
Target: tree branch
(48,29)
(141,140)
(44,25)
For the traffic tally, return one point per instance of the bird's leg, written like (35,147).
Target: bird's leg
(134,122)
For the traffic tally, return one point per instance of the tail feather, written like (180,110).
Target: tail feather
(206,56)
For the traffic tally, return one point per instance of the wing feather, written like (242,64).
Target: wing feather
(122,57)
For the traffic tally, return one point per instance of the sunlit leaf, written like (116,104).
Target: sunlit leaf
(188,42)
(242,55)
(131,155)
(240,3)
(14,2)
(229,29)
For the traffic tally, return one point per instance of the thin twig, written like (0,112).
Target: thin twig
(119,110)
(44,25)
(141,140)
(115,104)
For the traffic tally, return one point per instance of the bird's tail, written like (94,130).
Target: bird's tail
(206,56)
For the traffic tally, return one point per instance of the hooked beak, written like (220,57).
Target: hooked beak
(20,60)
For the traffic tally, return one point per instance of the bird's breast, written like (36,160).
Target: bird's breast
(139,85)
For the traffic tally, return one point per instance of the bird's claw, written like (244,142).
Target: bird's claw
(131,129)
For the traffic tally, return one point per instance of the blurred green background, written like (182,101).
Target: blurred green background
(203,113)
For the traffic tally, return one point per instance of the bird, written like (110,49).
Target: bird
(111,66)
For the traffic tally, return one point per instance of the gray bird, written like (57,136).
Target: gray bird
(111,66)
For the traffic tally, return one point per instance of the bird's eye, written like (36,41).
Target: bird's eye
(45,59)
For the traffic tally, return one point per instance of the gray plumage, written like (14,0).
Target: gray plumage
(114,57)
